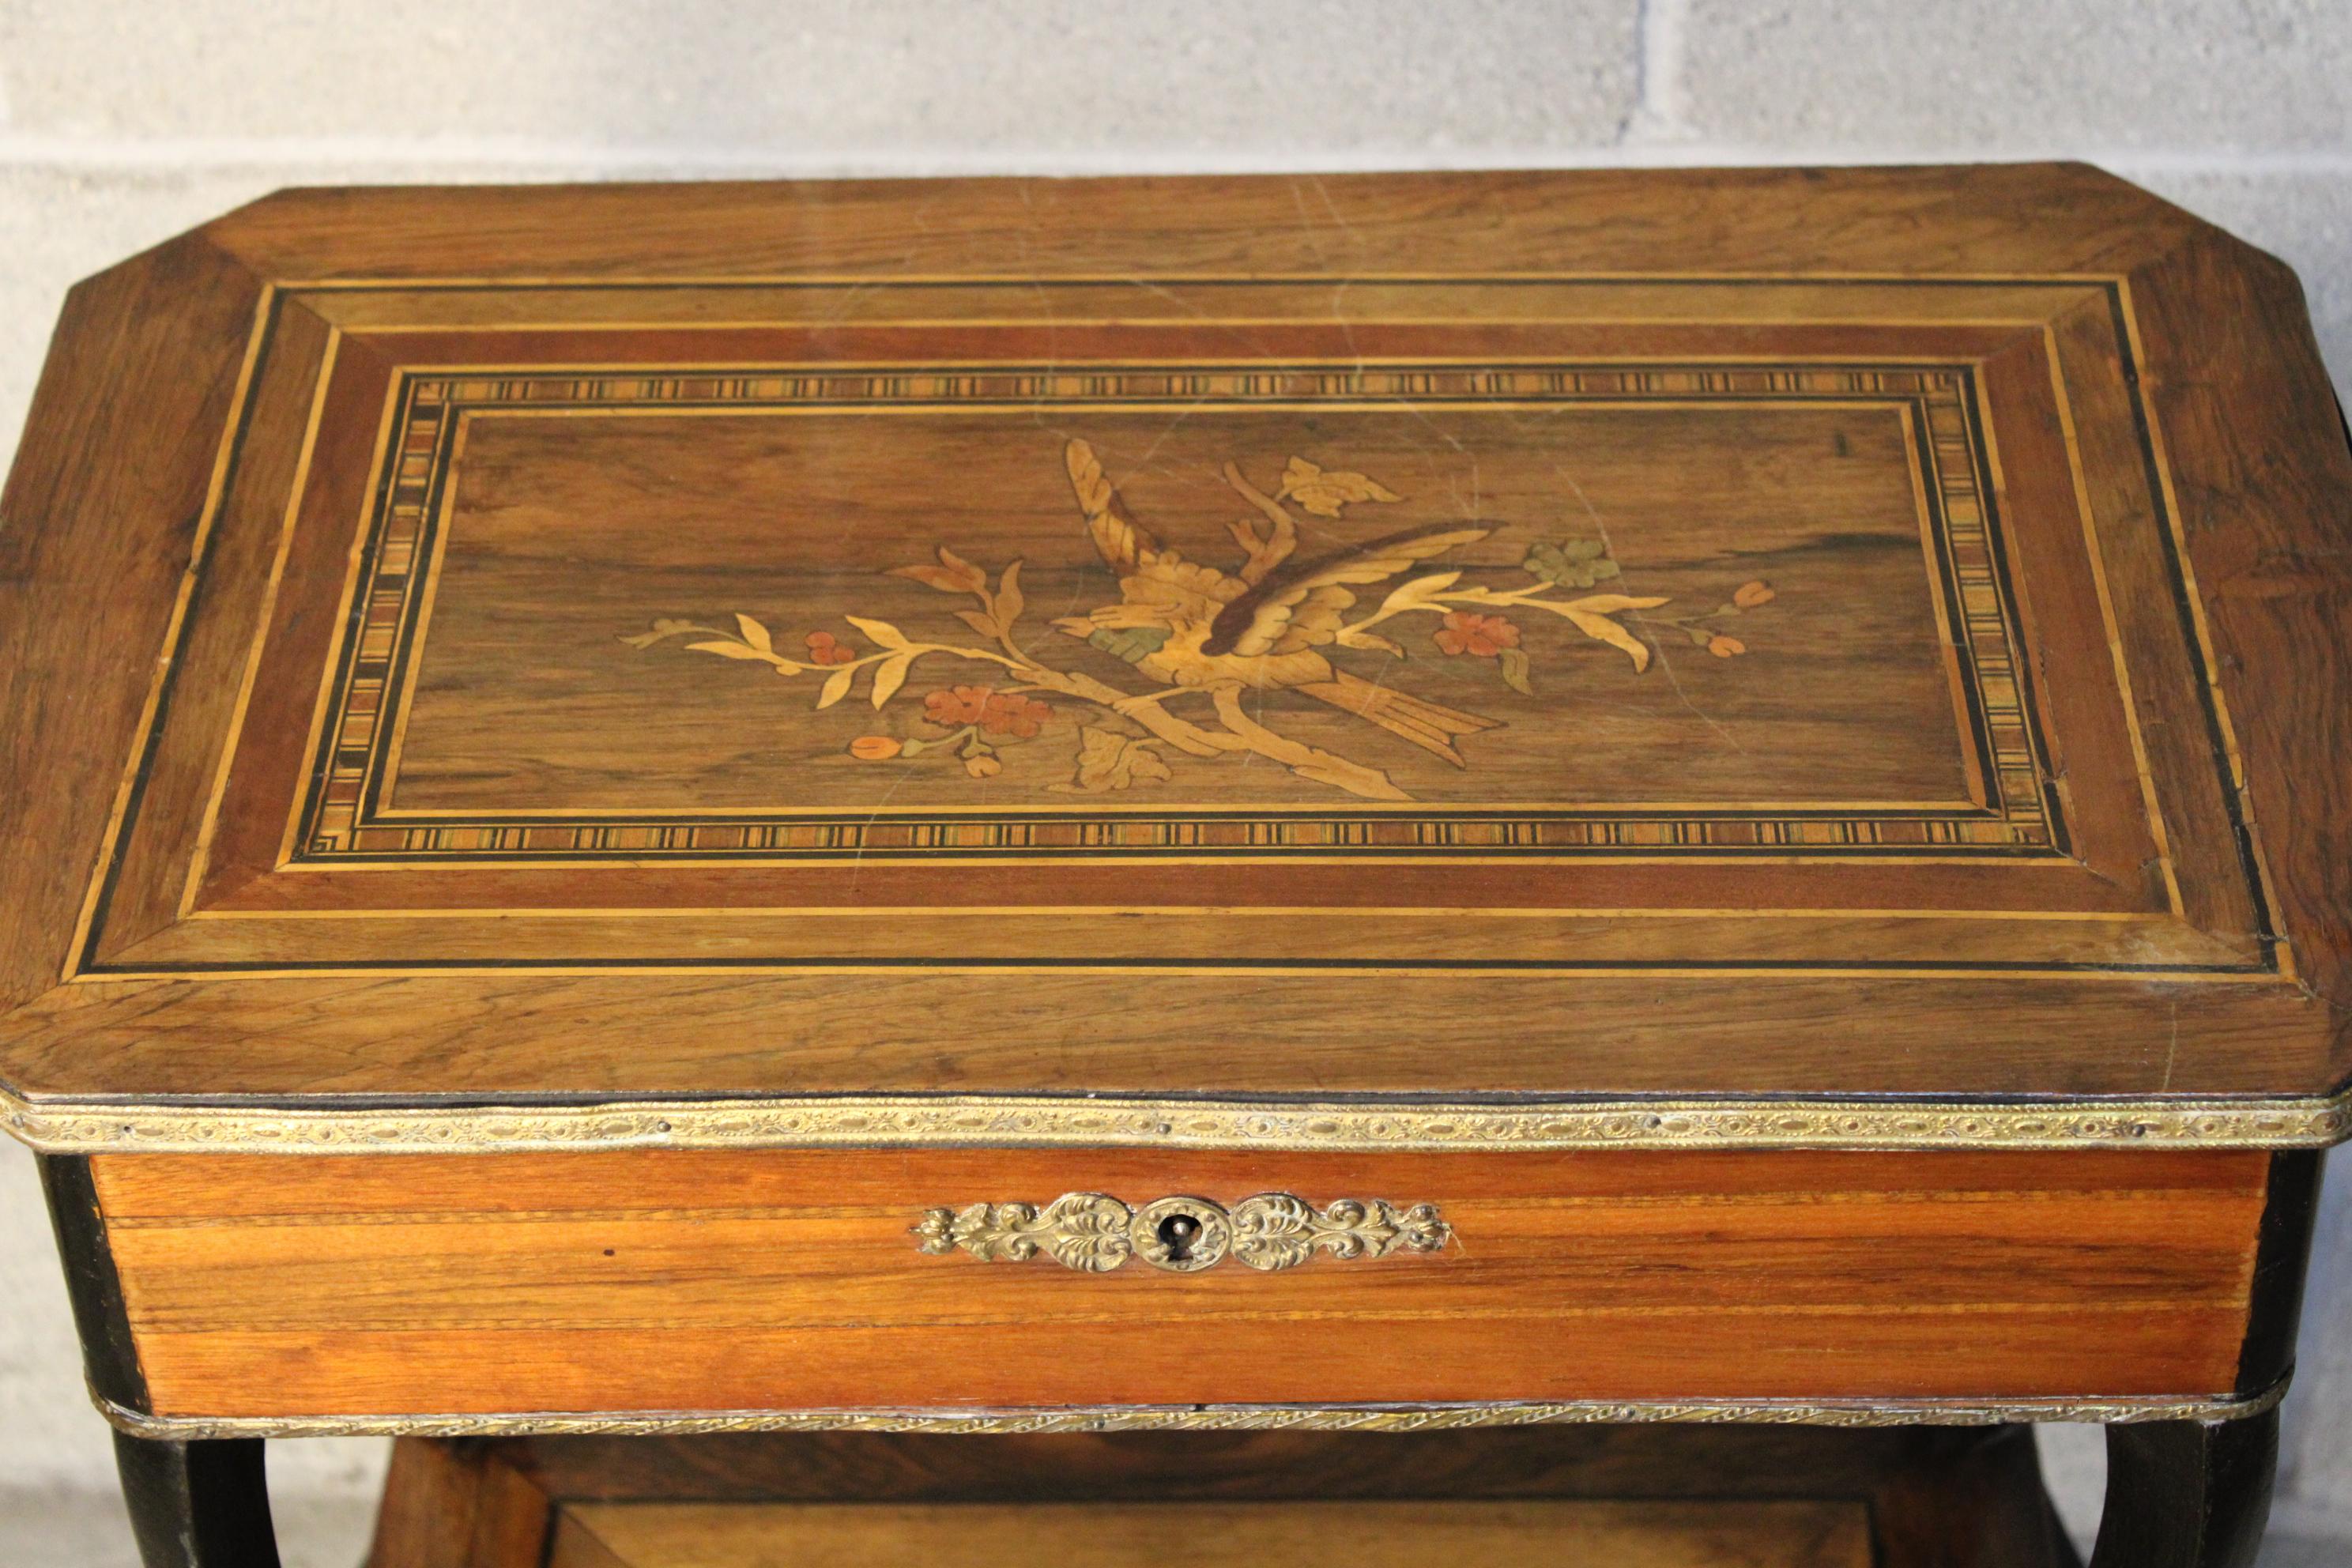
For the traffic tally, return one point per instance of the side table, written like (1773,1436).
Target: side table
(1124,813)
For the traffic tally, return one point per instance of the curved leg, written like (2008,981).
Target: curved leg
(197,1505)
(2183,1494)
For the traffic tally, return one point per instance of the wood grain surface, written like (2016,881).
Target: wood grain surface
(1866,662)
(1914,1498)
(1198,1535)
(775,1281)
(147,360)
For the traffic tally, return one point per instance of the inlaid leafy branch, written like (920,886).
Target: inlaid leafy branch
(1197,633)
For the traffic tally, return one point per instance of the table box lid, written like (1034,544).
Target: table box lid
(1647,657)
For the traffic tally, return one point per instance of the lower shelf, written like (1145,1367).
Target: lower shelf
(1212,1535)
(1649,1496)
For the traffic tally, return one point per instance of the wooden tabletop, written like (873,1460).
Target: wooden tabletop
(1678,657)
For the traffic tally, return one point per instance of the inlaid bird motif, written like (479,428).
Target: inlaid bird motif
(1194,628)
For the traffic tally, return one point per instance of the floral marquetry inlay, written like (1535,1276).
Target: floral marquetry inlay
(1081,678)
(1320,614)
(1195,632)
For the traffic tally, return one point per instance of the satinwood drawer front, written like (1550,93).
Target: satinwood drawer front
(775,1281)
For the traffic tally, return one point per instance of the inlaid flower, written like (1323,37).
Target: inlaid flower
(1480,637)
(1010,713)
(1573,562)
(951,706)
(823,648)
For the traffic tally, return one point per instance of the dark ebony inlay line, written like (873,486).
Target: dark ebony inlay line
(1525,966)
(95,1290)
(2275,1304)
(171,654)
(2185,612)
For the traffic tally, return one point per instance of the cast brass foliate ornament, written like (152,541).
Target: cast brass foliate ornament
(1084,1231)
(1274,1230)
(1094,1234)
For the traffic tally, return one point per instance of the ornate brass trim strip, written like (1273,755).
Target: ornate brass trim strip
(1094,1234)
(1212,1417)
(1035,1121)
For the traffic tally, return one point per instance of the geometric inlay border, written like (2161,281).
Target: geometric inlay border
(339,816)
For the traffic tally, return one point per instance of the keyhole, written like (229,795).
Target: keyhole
(1177,1233)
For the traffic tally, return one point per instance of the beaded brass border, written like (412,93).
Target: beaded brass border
(1036,1121)
(1212,1417)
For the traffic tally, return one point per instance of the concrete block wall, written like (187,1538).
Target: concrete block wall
(123,122)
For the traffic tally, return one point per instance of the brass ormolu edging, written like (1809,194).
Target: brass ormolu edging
(1039,1121)
(1094,1232)
(1215,1417)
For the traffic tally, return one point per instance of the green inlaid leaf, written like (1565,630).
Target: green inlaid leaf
(1514,670)
(1132,644)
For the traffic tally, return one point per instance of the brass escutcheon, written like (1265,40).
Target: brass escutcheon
(1182,1235)
(1094,1232)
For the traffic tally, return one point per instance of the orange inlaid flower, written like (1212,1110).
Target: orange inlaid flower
(1747,596)
(825,648)
(1011,713)
(874,748)
(951,706)
(1724,647)
(1481,636)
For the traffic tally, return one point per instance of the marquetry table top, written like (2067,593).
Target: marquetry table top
(1440,660)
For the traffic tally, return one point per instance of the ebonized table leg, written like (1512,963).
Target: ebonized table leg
(197,1505)
(2187,1494)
